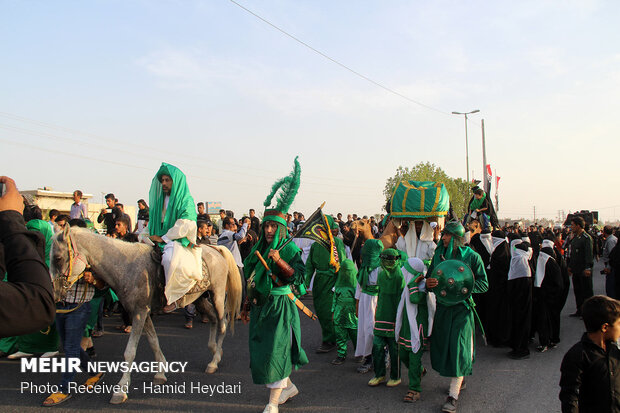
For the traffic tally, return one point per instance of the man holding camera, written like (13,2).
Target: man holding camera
(26,299)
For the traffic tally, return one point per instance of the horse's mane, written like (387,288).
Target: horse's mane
(113,242)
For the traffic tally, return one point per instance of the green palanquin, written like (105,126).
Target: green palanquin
(452,340)
(419,199)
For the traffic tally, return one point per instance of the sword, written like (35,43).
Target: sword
(291,296)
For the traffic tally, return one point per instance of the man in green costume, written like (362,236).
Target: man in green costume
(391,283)
(345,319)
(322,288)
(275,332)
(172,226)
(412,324)
(452,342)
(367,296)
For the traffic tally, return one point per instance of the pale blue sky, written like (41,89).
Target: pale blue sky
(230,100)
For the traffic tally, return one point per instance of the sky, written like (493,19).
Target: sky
(95,95)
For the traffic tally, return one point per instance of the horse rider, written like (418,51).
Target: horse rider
(172,226)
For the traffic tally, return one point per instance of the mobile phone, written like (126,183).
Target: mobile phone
(1,189)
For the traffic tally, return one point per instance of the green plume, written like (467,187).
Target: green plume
(289,186)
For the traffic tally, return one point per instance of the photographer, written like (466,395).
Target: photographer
(26,299)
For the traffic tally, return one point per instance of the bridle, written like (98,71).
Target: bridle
(74,257)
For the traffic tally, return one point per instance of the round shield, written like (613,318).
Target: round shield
(456,280)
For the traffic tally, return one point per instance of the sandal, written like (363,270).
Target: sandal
(121,327)
(90,383)
(56,398)
(411,396)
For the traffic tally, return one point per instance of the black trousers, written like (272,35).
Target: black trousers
(583,289)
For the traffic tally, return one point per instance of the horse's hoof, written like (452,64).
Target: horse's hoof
(118,398)
(158,381)
(211,369)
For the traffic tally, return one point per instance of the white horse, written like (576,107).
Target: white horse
(132,270)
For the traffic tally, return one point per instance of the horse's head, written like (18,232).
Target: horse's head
(65,260)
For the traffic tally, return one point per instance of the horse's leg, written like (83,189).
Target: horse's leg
(151,335)
(220,310)
(130,355)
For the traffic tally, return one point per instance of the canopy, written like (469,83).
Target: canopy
(420,200)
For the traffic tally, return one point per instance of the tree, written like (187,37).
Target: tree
(458,189)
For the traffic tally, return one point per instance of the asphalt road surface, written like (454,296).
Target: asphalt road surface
(498,384)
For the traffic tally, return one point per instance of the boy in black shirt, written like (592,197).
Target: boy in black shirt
(590,380)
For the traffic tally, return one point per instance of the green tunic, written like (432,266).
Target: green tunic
(390,286)
(452,345)
(324,282)
(344,307)
(275,332)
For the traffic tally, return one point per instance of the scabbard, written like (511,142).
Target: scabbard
(301,306)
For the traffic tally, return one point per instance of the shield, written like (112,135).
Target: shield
(456,281)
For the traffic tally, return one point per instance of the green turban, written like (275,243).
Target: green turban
(455,228)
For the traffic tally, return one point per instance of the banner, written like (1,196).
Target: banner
(317,229)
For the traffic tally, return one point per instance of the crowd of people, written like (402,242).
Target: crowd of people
(381,298)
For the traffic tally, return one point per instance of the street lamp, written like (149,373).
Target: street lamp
(466,139)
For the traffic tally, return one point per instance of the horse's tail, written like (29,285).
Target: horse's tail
(233,286)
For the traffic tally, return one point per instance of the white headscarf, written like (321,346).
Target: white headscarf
(543,257)
(519,265)
(413,247)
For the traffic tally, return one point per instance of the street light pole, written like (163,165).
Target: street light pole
(466,138)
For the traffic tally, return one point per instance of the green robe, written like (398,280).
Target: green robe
(275,331)
(390,286)
(324,281)
(452,340)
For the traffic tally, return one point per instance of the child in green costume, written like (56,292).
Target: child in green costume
(414,321)
(343,307)
(390,282)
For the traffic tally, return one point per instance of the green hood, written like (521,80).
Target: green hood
(252,263)
(370,260)
(180,205)
(347,275)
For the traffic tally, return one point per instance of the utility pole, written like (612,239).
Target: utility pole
(466,138)
(534,213)
(485,181)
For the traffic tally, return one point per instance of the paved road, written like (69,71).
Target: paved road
(499,384)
